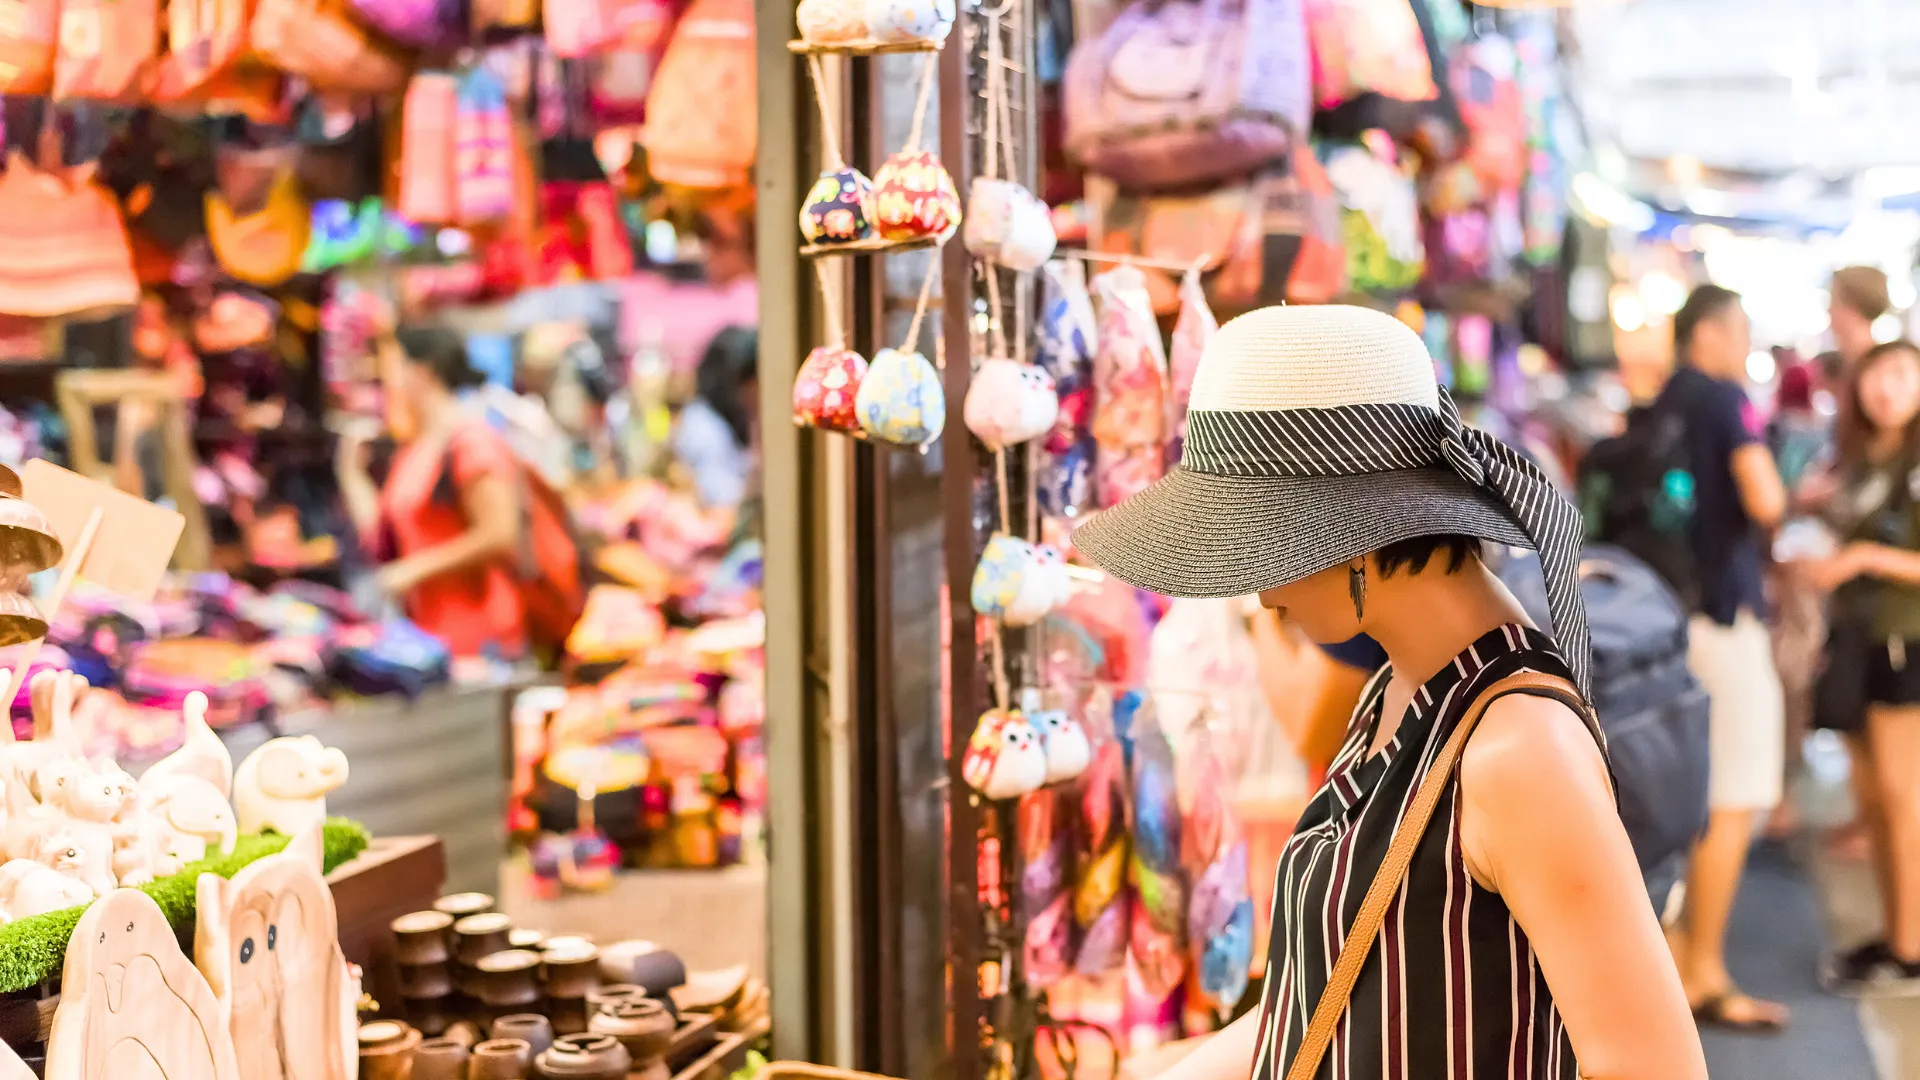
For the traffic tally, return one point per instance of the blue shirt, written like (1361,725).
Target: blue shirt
(1720,420)
(704,443)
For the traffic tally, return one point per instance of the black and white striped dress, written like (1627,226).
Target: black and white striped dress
(1452,989)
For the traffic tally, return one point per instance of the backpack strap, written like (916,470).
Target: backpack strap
(1393,869)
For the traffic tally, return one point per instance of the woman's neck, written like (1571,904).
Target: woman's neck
(1424,620)
(1885,445)
(436,412)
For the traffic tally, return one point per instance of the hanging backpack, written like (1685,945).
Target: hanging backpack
(1185,91)
(702,119)
(1637,491)
(29,41)
(1652,711)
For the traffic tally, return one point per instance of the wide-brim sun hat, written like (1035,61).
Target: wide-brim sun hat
(1316,434)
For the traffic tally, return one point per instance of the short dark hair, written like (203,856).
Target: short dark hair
(1703,303)
(1416,552)
(440,351)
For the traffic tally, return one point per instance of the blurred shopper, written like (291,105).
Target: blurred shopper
(1857,298)
(714,437)
(1737,495)
(447,523)
(1800,437)
(1875,576)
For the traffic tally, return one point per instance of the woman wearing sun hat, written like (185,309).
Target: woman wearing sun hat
(1446,907)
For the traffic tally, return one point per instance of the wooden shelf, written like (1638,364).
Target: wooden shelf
(862,48)
(872,246)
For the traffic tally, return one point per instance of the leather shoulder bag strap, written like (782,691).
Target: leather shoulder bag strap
(1393,869)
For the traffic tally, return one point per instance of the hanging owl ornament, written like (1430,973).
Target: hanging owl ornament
(832,22)
(915,197)
(839,209)
(1005,758)
(900,399)
(910,20)
(826,387)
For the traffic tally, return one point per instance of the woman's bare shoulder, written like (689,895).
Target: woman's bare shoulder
(1532,760)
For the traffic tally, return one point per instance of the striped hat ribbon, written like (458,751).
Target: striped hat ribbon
(1347,440)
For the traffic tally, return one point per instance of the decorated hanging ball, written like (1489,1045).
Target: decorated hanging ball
(901,400)
(914,197)
(826,387)
(831,22)
(910,20)
(839,209)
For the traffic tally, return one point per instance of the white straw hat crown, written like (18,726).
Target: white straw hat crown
(1314,357)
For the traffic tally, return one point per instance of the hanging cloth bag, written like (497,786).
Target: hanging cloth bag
(427,174)
(702,118)
(1186,91)
(29,36)
(482,150)
(107,47)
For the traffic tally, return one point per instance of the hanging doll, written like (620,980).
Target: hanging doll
(914,195)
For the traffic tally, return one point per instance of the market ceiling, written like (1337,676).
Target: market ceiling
(1826,88)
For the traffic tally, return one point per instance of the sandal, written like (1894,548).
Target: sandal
(1750,1016)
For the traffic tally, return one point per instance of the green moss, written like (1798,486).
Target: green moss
(32,950)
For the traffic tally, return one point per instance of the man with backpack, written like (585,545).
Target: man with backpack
(1690,488)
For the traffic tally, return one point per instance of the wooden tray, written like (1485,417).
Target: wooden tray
(871,246)
(862,48)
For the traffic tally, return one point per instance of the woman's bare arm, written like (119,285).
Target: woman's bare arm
(1224,1055)
(492,507)
(1538,825)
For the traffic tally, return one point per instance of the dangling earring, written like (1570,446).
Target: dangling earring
(1357,588)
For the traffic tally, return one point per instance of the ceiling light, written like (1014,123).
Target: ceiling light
(1760,367)
(1661,293)
(1886,328)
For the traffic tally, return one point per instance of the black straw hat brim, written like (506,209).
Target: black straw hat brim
(1201,535)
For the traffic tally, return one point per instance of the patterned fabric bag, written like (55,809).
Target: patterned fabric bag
(483,150)
(702,123)
(1189,90)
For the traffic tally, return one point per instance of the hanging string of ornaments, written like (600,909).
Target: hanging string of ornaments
(1018,746)
(897,399)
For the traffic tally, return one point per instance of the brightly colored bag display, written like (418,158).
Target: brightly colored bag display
(1362,46)
(63,245)
(1130,388)
(1184,91)
(29,41)
(702,116)
(106,48)
(482,150)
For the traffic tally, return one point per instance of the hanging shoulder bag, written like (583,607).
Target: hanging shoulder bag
(1393,869)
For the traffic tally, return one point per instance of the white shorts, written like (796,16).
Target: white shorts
(1748,753)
